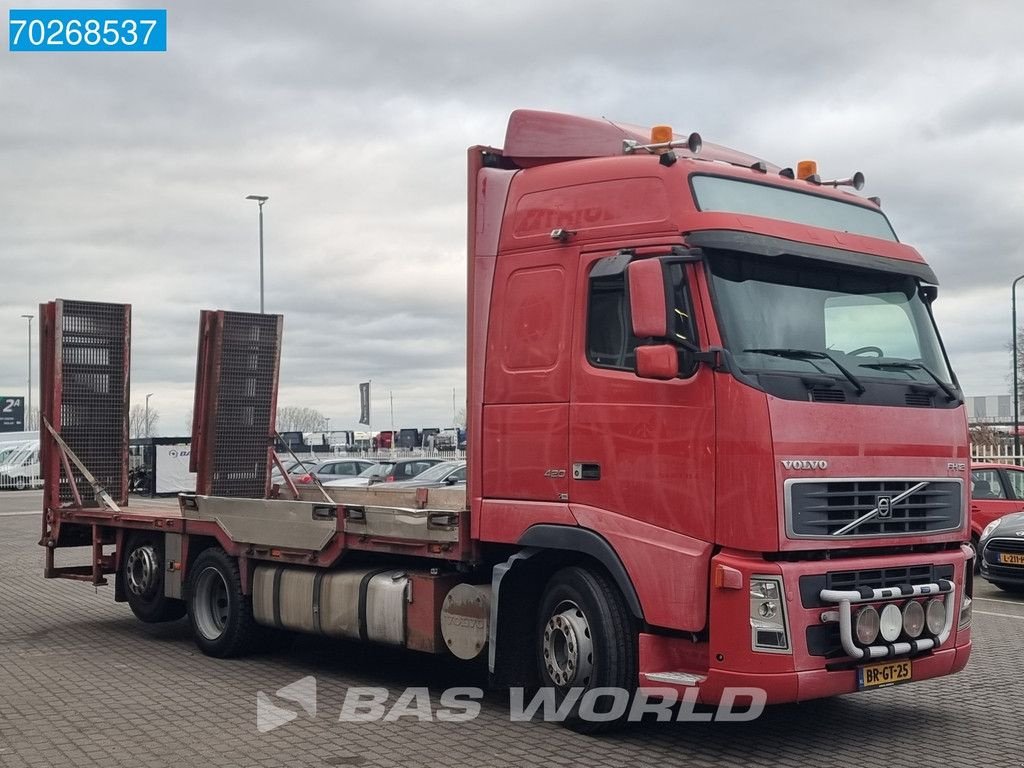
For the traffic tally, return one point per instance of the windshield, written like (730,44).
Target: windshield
(788,314)
(718,193)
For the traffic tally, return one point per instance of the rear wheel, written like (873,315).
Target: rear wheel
(142,576)
(20,483)
(587,639)
(221,616)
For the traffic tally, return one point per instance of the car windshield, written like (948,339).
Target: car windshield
(437,472)
(788,314)
(377,470)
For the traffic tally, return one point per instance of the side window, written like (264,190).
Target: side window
(610,339)
(1016,477)
(458,476)
(985,484)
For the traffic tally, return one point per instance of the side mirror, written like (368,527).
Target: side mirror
(647,305)
(658,361)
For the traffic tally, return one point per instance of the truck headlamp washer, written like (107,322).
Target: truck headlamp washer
(846,599)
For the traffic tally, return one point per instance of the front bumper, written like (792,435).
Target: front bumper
(823,659)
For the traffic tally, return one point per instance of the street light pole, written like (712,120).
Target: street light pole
(1016,393)
(28,403)
(147,413)
(260,200)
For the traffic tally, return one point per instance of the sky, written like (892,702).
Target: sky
(123,176)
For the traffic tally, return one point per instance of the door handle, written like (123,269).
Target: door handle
(585,471)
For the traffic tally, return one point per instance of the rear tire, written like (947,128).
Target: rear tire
(20,483)
(142,578)
(586,638)
(220,615)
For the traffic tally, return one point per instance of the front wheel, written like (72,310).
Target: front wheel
(221,616)
(587,639)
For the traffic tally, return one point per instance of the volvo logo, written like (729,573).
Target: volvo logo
(805,464)
(884,506)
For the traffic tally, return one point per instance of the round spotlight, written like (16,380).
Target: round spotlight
(890,623)
(913,618)
(935,616)
(866,625)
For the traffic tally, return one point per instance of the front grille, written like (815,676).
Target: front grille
(1005,545)
(93,340)
(828,395)
(997,570)
(820,508)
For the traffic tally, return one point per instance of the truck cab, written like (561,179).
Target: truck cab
(729,373)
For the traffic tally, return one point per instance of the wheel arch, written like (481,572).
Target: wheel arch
(518,583)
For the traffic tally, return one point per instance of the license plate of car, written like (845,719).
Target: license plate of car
(886,673)
(1011,558)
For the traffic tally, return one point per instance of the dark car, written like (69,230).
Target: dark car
(447,473)
(386,472)
(1002,552)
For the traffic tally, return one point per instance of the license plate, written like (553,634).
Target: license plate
(881,675)
(1011,558)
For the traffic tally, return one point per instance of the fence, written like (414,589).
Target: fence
(1000,454)
(19,465)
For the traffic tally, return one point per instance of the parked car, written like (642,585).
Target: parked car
(996,490)
(386,472)
(447,473)
(335,469)
(1001,552)
(20,468)
(295,468)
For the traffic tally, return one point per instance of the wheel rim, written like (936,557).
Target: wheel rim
(210,603)
(141,571)
(568,646)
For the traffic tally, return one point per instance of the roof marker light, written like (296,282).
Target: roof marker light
(786,173)
(661,134)
(806,168)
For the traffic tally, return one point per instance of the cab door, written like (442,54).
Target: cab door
(638,447)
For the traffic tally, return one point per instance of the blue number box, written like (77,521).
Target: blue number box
(82,29)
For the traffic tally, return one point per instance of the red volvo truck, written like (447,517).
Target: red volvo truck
(715,441)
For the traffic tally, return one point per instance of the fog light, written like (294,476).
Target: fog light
(935,616)
(890,623)
(913,618)
(866,625)
(768,610)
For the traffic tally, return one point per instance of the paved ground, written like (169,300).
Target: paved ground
(82,683)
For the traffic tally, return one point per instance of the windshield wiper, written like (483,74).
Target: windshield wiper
(909,365)
(811,354)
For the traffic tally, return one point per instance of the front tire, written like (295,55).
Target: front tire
(220,615)
(142,577)
(587,639)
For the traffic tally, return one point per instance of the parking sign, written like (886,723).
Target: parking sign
(12,414)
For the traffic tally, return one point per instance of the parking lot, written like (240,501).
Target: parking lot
(82,683)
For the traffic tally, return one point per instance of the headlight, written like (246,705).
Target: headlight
(935,616)
(768,615)
(913,619)
(866,625)
(890,623)
(988,530)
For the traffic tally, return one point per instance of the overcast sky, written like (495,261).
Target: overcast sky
(123,176)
